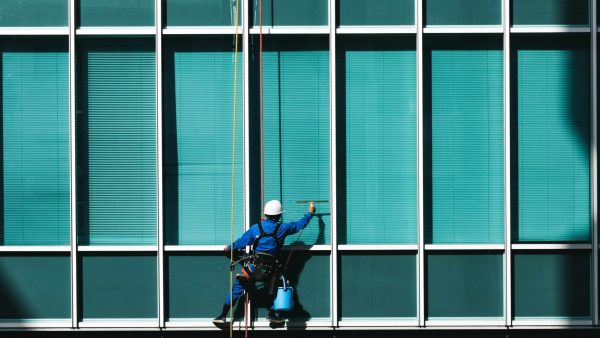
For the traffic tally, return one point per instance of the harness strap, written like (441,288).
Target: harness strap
(265,234)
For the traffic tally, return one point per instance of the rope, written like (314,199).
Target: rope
(232,215)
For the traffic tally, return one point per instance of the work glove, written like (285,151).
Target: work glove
(311,208)
(226,251)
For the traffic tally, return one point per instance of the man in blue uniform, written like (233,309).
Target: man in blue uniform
(266,239)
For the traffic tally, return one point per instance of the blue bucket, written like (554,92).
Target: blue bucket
(285,298)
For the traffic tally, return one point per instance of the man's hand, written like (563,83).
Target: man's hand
(311,208)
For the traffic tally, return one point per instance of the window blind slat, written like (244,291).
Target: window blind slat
(296,135)
(553,144)
(35,123)
(120,157)
(381,147)
(203,139)
(467,146)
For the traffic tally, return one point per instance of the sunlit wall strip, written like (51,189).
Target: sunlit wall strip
(507,177)
(333,164)
(73,166)
(420,154)
(159,165)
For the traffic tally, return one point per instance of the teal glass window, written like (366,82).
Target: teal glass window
(34,13)
(378,285)
(552,115)
(380,134)
(296,130)
(290,13)
(197,285)
(552,284)
(376,12)
(463,12)
(198,142)
(202,13)
(35,144)
(550,12)
(35,287)
(116,152)
(464,116)
(118,286)
(308,274)
(465,284)
(101,13)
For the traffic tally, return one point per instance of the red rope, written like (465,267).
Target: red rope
(262,144)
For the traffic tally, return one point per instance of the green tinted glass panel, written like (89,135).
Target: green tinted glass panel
(381,135)
(290,13)
(465,285)
(308,274)
(201,13)
(378,285)
(197,286)
(552,116)
(35,287)
(467,143)
(116,124)
(33,13)
(296,131)
(553,284)
(198,143)
(463,12)
(377,12)
(116,286)
(35,148)
(550,12)
(98,13)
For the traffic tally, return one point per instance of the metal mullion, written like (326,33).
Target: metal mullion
(594,155)
(159,165)
(73,165)
(333,163)
(507,165)
(420,174)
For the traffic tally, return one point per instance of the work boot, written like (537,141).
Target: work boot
(222,318)
(273,318)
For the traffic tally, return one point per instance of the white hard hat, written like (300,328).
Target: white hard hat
(273,208)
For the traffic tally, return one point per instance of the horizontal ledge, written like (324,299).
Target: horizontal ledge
(459,247)
(549,29)
(552,246)
(463,29)
(552,322)
(116,31)
(292,30)
(37,323)
(116,248)
(473,322)
(109,323)
(376,30)
(291,324)
(34,31)
(200,323)
(376,247)
(374,322)
(219,248)
(34,248)
(224,30)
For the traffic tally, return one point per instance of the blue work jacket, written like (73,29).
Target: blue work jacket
(267,244)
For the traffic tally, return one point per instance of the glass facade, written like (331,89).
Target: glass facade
(448,145)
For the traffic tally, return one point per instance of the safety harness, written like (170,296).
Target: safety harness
(262,266)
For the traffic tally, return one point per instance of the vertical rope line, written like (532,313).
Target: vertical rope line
(233,146)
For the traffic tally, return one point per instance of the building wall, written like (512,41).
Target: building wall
(451,146)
